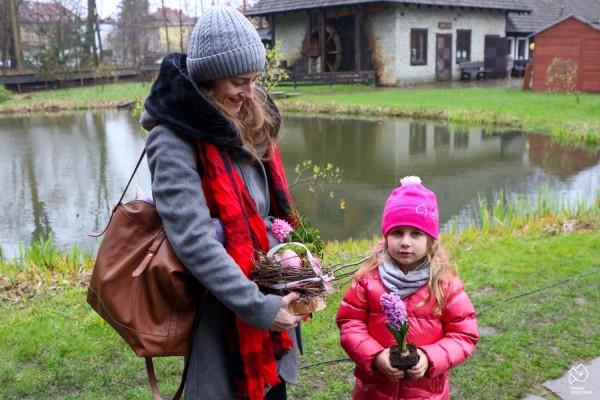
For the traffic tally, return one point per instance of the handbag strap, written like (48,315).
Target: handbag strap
(150,364)
(132,175)
(154,385)
(97,234)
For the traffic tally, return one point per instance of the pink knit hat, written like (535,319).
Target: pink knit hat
(411,204)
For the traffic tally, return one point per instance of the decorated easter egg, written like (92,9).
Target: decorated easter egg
(289,258)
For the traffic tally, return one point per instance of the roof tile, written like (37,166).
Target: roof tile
(275,6)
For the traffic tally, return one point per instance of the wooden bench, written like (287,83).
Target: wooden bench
(470,68)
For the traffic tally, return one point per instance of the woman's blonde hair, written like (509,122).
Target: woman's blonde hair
(257,122)
(440,269)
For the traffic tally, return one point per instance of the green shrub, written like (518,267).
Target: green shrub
(5,95)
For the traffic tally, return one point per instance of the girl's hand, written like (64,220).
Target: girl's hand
(382,363)
(419,370)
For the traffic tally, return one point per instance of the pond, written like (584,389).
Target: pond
(61,174)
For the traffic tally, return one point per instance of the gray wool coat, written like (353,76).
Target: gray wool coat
(177,115)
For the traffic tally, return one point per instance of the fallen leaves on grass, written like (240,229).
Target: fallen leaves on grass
(23,287)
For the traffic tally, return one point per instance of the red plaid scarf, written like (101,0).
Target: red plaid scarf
(252,351)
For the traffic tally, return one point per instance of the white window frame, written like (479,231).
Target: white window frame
(525,49)
(511,47)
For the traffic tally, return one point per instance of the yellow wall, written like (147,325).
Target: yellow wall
(175,35)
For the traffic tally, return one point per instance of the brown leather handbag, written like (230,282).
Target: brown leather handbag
(141,288)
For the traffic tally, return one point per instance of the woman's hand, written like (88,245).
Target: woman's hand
(382,363)
(419,370)
(285,320)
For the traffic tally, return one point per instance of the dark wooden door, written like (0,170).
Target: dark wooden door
(495,56)
(443,57)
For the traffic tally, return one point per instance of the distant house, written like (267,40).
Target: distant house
(172,30)
(41,22)
(572,47)
(167,30)
(403,42)
(46,23)
(522,27)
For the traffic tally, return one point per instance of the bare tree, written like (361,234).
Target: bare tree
(16,53)
(132,36)
(4,35)
(91,23)
(166,21)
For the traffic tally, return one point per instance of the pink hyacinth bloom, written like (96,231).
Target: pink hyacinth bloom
(394,310)
(281,229)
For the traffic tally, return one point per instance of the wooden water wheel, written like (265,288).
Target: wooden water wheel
(333,48)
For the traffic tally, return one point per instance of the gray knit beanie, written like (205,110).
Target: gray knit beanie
(224,44)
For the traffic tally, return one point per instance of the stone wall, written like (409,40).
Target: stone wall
(290,30)
(390,39)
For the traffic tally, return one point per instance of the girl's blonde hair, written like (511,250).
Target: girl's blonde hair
(440,269)
(257,122)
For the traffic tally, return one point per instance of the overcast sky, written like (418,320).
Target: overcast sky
(107,8)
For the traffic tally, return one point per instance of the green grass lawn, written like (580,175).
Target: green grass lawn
(54,346)
(529,107)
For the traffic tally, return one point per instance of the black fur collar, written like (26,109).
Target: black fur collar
(176,101)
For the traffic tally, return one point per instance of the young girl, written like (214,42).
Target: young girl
(510,63)
(411,263)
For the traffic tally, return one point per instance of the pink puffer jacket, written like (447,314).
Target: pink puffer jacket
(447,339)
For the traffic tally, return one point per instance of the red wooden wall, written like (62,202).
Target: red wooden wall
(570,39)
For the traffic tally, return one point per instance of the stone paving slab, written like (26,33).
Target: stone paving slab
(581,382)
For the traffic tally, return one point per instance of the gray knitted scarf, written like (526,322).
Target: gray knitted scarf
(400,283)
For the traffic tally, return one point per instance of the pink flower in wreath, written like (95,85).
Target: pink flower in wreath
(281,229)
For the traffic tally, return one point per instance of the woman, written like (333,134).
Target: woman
(218,181)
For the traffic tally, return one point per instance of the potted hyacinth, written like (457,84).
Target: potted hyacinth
(403,356)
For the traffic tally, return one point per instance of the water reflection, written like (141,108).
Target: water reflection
(457,164)
(61,175)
